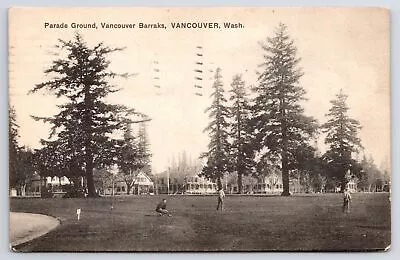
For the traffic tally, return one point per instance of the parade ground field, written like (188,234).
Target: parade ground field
(248,223)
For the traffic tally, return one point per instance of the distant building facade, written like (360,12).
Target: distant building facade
(36,184)
(142,184)
(185,182)
(269,183)
(199,185)
(352,186)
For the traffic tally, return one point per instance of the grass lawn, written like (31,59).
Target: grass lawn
(248,223)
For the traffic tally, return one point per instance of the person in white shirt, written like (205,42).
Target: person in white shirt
(221,196)
(346,201)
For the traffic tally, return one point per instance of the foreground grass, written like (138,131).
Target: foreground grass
(248,223)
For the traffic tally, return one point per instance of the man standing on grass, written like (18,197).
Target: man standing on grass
(221,196)
(161,208)
(346,201)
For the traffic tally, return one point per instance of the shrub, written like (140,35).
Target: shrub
(73,192)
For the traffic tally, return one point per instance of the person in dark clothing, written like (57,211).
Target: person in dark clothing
(161,208)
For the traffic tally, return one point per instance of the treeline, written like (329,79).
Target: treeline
(252,130)
(21,158)
(264,127)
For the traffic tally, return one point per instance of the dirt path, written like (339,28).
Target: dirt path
(26,226)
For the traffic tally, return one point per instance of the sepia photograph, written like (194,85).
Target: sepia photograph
(207,129)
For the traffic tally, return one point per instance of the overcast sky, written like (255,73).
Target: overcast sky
(339,48)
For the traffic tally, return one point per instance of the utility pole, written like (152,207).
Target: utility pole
(112,181)
(168,180)
(156,187)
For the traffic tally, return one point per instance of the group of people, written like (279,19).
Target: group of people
(161,208)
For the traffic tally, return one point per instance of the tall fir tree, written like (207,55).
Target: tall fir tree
(342,139)
(280,126)
(218,148)
(128,159)
(20,164)
(86,121)
(241,149)
(144,154)
(25,168)
(371,175)
(13,173)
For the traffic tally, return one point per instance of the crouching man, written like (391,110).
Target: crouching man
(161,208)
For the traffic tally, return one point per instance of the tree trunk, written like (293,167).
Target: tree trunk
(129,188)
(42,186)
(284,153)
(90,184)
(89,177)
(343,184)
(88,145)
(219,183)
(23,190)
(113,185)
(285,169)
(240,183)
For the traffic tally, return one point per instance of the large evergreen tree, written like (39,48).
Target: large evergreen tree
(25,167)
(20,167)
(342,139)
(218,147)
(240,132)
(371,177)
(144,155)
(129,161)
(280,125)
(14,174)
(84,125)
(62,154)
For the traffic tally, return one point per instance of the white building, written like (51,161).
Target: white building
(199,185)
(57,181)
(183,183)
(142,184)
(352,186)
(271,183)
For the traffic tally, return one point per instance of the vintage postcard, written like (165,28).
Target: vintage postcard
(199,129)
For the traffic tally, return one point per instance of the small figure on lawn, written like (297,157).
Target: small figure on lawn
(161,208)
(78,213)
(346,201)
(221,196)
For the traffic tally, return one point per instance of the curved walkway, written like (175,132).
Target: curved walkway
(26,226)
